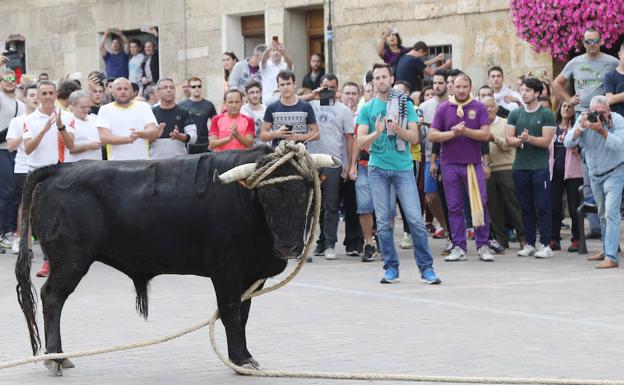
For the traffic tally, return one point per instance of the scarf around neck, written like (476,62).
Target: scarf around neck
(460,105)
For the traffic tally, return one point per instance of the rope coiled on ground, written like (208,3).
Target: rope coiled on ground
(305,166)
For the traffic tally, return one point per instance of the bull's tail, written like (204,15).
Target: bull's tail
(26,294)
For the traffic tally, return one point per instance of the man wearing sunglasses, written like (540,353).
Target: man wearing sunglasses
(202,110)
(588,71)
(10,107)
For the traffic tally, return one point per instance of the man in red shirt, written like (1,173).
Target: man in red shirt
(231,130)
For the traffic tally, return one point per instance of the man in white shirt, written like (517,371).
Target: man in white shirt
(45,129)
(274,60)
(504,96)
(254,107)
(127,125)
(14,142)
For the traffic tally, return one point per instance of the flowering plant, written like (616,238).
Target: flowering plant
(557,26)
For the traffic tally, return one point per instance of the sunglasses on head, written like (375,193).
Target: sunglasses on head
(8,78)
(592,41)
(196,86)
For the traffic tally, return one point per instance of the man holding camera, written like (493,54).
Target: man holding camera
(335,121)
(10,107)
(601,135)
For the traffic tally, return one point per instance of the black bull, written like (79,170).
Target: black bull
(146,218)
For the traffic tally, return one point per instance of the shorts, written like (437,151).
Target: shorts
(20,179)
(431,185)
(363,195)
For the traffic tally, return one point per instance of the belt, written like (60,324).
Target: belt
(609,171)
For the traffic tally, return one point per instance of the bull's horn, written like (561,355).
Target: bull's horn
(243,171)
(322,160)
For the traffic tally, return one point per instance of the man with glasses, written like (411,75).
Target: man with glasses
(588,71)
(10,107)
(201,111)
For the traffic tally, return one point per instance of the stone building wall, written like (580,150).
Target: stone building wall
(62,35)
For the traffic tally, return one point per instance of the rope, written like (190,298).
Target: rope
(288,151)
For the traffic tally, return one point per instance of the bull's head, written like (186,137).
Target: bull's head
(284,203)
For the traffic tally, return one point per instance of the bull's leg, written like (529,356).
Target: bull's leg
(64,277)
(245,306)
(228,289)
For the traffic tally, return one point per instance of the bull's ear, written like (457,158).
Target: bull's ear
(322,160)
(243,171)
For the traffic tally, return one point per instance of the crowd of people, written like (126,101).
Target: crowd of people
(461,162)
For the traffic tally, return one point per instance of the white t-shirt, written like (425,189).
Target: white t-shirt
(85,131)
(269,78)
(9,109)
(15,131)
(47,152)
(258,118)
(119,120)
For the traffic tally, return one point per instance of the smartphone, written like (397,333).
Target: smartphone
(289,127)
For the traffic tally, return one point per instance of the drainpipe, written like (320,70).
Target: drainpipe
(330,38)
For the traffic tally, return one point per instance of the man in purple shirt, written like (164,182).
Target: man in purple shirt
(460,125)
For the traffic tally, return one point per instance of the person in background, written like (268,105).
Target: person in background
(86,137)
(312,80)
(135,64)
(503,204)
(390,46)
(566,176)
(229,60)
(179,130)
(274,60)
(202,110)
(254,107)
(150,65)
(186,88)
(116,60)
(614,85)
(246,70)
(485,92)
(151,95)
(231,130)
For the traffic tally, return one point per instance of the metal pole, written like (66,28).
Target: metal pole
(330,38)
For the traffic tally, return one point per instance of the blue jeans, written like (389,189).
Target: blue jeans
(608,194)
(382,183)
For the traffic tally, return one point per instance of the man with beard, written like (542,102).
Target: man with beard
(387,124)
(127,125)
(460,125)
(312,80)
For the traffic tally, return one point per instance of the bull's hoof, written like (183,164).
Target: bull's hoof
(54,366)
(254,363)
(68,364)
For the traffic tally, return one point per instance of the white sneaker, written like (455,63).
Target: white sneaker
(15,247)
(484,254)
(526,251)
(406,242)
(330,254)
(457,254)
(544,252)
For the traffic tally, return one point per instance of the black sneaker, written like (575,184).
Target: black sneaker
(555,245)
(319,251)
(354,251)
(495,246)
(369,253)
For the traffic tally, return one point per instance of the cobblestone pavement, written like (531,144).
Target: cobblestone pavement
(518,317)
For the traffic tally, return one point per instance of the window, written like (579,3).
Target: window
(252,29)
(15,51)
(435,50)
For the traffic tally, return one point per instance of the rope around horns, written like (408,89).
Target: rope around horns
(287,152)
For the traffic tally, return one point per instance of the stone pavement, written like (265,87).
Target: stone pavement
(518,317)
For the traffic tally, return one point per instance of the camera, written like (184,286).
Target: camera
(327,96)
(594,116)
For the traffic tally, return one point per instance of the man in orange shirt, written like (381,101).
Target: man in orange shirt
(231,130)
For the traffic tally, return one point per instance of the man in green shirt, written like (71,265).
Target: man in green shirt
(530,129)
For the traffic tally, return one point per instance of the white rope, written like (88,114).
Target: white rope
(253,292)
